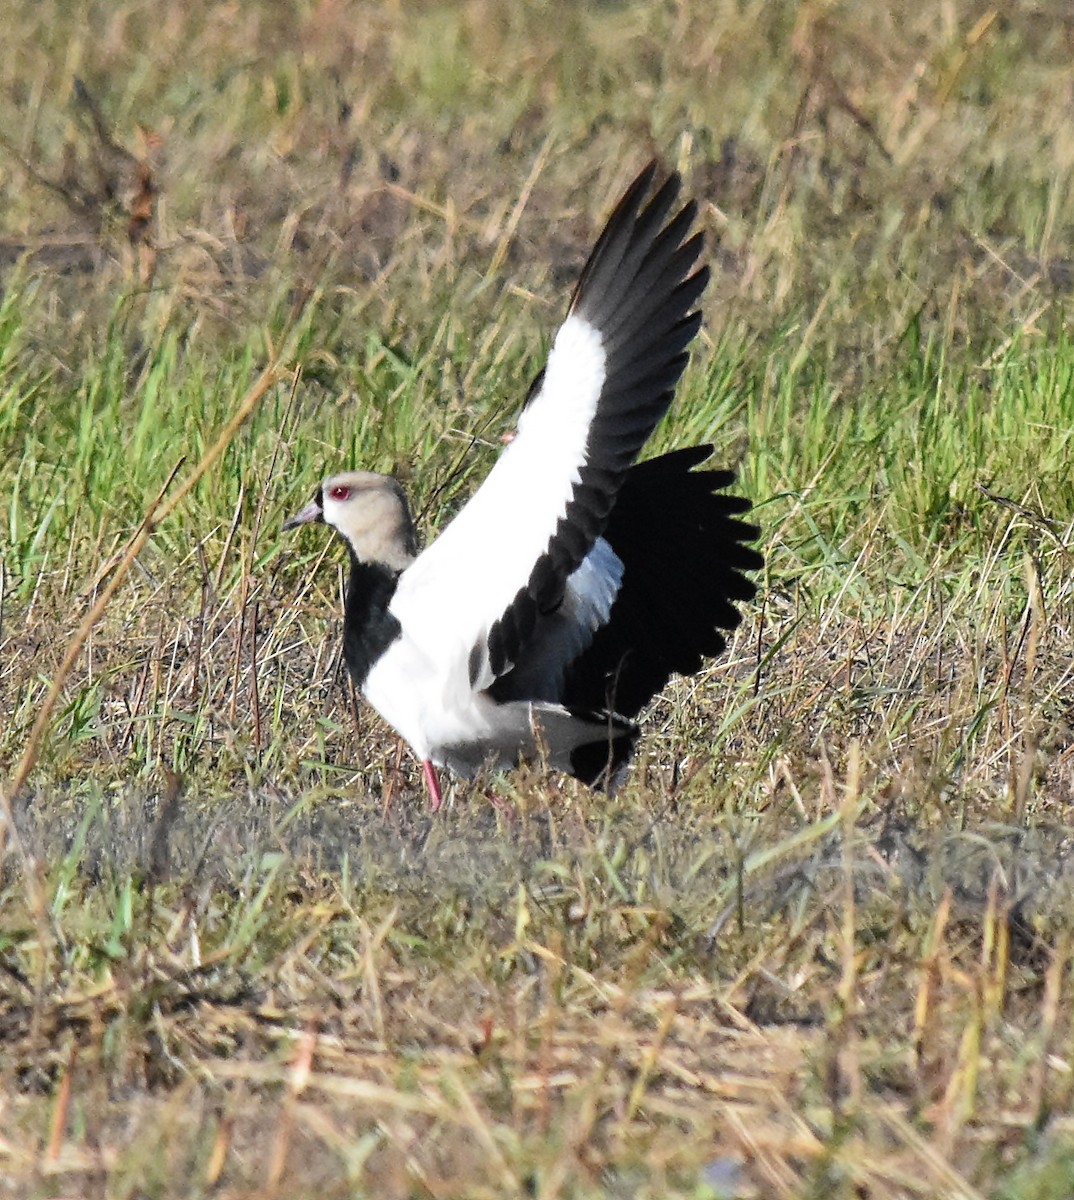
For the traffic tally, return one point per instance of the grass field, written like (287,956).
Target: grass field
(822,943)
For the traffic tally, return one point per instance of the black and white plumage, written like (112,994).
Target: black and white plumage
(575,582)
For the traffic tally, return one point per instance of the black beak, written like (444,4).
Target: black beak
(314,511)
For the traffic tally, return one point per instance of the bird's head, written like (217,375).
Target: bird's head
(370,511)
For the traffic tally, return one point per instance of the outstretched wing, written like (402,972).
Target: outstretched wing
(610,376)
(685,551)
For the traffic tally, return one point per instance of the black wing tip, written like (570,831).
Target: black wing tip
(642,181)
(632,215)
(667,191)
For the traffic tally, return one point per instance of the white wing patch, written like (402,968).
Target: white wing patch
(456,589)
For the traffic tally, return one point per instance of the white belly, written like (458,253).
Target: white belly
(440,716)
(444,720)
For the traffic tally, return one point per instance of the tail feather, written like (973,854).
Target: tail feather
(602,764)
(593,746)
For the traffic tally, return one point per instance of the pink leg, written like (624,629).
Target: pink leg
(433,784)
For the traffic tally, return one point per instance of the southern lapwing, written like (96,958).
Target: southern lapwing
(575,582)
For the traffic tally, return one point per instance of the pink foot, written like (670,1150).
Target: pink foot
(433,784)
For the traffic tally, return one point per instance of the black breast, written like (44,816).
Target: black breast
(368,627)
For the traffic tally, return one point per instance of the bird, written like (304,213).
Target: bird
(575,581)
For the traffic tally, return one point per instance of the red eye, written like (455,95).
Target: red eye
(339,492)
